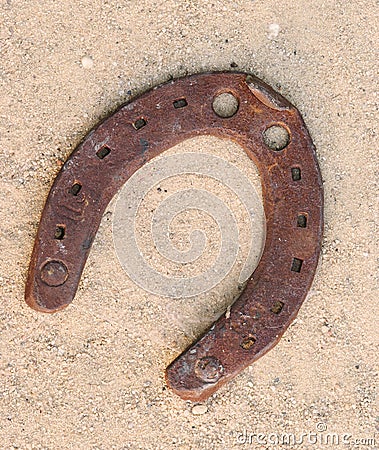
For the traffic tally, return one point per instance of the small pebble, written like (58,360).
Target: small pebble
(198,410)
(87,62)
(324,329)
(273,30)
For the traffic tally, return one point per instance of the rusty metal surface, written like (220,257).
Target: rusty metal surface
(139,131)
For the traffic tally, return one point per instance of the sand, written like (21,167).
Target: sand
(92,376)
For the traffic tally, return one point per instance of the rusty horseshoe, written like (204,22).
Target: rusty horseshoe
(139,131)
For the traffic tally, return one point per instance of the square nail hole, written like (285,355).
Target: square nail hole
(296,265)
(248,343)
(139,123)
(277,307)
(180,103)
(103,152)
(60,231)
(302,221)
(75,189)
(296,173)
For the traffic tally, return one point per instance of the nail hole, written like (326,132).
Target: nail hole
(60,232)
(248,343)
(103,152)
(296,173)
(225,105)
(276,137)
(302,221)
(139,123)
(296,265)
(75,189)
(181,103)
(277,307)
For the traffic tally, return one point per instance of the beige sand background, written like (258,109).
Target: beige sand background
(91,377)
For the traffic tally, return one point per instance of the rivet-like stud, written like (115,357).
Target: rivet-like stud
(54,273)
(209,369)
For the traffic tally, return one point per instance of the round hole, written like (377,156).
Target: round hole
(225,105)
(276,137)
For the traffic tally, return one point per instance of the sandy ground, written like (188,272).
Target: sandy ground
(92,375)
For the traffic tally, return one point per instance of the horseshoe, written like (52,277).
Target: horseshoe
(141,130)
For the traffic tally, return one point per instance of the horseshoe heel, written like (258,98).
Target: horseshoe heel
(139,131)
